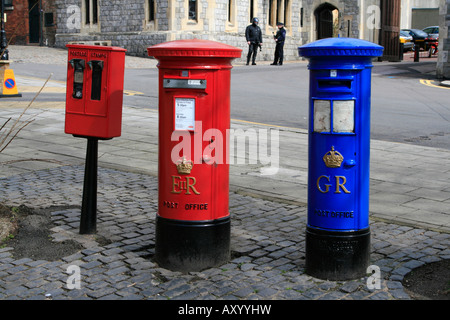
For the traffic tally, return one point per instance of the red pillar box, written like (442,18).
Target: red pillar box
(193,221)
(94,91)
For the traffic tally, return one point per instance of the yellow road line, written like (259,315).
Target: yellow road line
(59,89)
(39,79)
(49,89)
(431,84)
(34,89)
(132,93)
(6,104)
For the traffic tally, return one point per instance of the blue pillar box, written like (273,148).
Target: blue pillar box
(338,232)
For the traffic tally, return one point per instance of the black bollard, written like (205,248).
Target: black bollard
(416,52)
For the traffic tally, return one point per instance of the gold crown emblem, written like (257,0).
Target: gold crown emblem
(333,159)
(184,166)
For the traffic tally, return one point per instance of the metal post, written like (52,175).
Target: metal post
(88,221)
(402,49)
(416,52)
(3,41)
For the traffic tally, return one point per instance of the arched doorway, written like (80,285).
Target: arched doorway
(327,21)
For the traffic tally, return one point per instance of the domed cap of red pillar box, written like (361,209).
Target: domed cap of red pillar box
(194,50)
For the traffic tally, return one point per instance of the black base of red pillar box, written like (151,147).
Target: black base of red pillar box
(337,256)
(188,246)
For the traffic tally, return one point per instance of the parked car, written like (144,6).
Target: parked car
(419,37)
(432,31)
(407,41)
(433,38)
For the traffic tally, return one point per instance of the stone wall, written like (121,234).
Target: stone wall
(120,23)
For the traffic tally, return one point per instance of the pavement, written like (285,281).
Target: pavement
(43,168)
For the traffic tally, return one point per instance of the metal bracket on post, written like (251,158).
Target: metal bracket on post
(88,221)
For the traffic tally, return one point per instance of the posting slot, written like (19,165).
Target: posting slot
(78,77)
(97,70)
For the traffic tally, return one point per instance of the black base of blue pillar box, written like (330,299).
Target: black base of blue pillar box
(332,255)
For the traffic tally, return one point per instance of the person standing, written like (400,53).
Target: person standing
(279,39)
(253,35)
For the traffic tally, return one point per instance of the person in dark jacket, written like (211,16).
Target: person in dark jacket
(253,35)
(279,39)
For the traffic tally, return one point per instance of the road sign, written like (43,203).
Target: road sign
(9,88)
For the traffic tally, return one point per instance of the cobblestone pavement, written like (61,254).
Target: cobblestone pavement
(267,260)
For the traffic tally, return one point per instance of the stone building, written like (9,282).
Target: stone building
(137,24)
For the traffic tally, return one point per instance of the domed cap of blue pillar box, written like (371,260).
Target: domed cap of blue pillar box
(340,50)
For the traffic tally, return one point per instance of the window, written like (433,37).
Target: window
(151,10)
(192,10)
(48,19)
(431,30)
(90,12)
(231,12)
(89,16)
(8,4)
(287,13)
(150,20)
(279,11)
(193,14)
(271,14)
(301,17)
